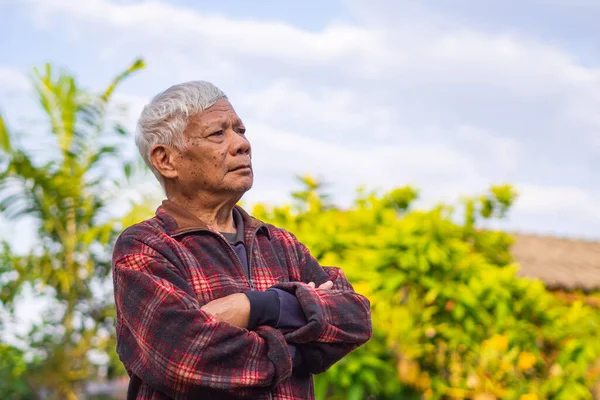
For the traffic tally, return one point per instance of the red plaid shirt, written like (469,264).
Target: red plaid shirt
(167,267)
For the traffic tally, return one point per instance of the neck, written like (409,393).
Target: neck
(215,213)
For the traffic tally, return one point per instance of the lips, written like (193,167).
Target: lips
(241,167)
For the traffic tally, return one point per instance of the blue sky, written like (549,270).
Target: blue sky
(449,96)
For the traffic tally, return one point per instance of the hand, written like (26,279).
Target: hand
(326,286)
(233,309)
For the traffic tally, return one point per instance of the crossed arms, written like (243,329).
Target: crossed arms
(173,344)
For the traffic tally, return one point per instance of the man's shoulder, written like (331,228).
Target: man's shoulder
(147,233)
(281,236)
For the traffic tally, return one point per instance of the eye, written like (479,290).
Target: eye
(241,131)
(217,133)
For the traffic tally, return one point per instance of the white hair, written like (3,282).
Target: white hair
(165,118)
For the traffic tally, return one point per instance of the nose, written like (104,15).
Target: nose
(240,145)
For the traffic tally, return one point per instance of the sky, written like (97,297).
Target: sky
(448,96)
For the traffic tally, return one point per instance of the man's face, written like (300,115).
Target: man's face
(217,156)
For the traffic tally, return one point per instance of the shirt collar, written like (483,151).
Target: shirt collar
(178,220)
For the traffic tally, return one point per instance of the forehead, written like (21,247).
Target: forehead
(220,112)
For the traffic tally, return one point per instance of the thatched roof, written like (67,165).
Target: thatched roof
(565,264)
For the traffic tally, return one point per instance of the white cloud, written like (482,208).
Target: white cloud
(416,54)
(563,200)
(127,108)
(341,115)
(504,151)
(579,4)
(162,22)
(279,155)
(12,79)
(435,53)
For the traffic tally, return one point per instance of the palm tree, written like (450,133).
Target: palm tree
(69,197)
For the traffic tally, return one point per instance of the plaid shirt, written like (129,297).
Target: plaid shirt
(167,267)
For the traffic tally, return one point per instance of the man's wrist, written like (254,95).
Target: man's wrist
(264,308)
(291,315)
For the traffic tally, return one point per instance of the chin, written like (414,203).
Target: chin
(243,186)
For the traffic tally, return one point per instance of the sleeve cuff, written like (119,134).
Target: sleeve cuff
(278,353)
(291,315)
(264,308)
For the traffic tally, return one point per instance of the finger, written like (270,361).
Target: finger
(311,284)
(327,285)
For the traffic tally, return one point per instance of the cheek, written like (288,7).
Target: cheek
(219,159)
(205,165)
(192,167)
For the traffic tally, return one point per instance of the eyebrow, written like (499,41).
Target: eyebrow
(202,129)
(220,123)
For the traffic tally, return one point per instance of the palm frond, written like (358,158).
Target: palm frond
(137,65)
(5,144)
(59,100)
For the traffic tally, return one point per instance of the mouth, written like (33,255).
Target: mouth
(242,168)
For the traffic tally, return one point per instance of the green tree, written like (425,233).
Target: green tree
(13,368)
(69,193)
(451,320)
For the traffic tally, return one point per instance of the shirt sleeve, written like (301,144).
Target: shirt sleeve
(276,308)
(264,308)
(290,315)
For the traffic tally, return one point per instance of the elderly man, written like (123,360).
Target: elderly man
(212,303)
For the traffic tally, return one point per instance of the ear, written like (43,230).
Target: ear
(163,159)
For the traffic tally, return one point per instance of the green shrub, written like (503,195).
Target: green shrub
(451,319)
(13,369)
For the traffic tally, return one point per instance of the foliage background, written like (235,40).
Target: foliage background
(451,318)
